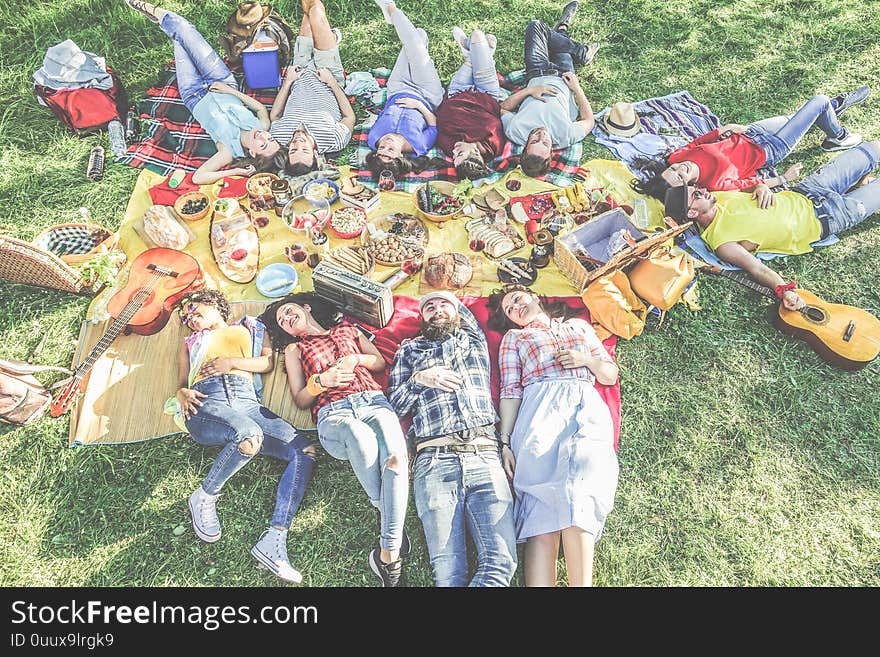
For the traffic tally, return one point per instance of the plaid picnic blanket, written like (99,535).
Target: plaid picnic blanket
(564,165)
(170,137)
(668,122)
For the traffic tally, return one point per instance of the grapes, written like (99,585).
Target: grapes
(193,206)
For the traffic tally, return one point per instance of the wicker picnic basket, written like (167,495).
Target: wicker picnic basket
(26,263)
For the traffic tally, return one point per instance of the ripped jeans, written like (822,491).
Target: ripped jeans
(230,415)
(364,430)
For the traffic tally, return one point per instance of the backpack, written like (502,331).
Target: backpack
(85,110)
(23,399)
(273,26)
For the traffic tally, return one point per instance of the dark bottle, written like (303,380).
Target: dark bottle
(96,164)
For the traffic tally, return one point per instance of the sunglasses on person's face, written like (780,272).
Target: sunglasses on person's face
(697,193)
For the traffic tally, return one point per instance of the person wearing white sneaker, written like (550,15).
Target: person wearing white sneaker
(238,124)
(469,126)
(218,404)
(407,127)
(311,113)
(830,201)
(730,157)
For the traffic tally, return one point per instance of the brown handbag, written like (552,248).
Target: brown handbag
(662,277)
(23,399)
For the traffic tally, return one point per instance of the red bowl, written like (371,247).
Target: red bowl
(351,234)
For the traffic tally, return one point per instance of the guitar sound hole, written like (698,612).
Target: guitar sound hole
(815,314)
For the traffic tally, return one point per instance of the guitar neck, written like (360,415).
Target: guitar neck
(117,326)
(743,278)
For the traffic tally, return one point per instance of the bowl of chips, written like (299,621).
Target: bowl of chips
(321,188)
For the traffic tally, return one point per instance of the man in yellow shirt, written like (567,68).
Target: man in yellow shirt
(827,202)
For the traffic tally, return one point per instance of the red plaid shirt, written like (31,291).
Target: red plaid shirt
(319,352)
(528,355)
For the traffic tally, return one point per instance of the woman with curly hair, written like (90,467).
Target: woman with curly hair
(729,158)
(218,403)
(237,123)
(560,431)
(330,369)
(407,127)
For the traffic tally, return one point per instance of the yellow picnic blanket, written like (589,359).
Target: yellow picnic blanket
(449,236)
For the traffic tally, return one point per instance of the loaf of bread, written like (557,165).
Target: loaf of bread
(164,229)
(448,271)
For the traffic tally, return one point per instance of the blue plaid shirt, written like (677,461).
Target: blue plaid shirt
(436,412)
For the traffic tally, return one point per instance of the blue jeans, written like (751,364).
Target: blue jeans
(231,414)
(478,72)
(459,491)
(198,65)
(548,52)
(779,135)
(414,70)
(836,207)
(364,430)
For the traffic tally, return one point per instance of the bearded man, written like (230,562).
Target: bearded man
(441,379)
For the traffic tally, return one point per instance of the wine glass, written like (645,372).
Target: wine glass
(386,180)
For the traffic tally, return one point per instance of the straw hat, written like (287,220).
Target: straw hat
(246,18)
(621,120)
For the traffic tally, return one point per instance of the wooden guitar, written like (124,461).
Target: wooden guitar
(845,336)
(158,279)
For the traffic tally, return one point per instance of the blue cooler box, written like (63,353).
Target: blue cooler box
(261,68)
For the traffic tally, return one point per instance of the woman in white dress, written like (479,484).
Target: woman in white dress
(560,431)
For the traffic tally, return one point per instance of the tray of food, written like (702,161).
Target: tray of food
(235,244)
(395,238)
(355,259)
(495,239)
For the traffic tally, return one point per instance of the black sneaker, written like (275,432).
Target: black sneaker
(391,574)
(568,13)
(842,102)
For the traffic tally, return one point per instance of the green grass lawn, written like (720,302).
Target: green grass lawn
(745,460)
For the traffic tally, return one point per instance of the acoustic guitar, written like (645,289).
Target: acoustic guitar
(845,336)
(157,281)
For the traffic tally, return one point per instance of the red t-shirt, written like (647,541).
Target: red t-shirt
(472,116)
(320,352)
(728,164)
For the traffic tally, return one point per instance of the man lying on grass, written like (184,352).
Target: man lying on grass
(832,200)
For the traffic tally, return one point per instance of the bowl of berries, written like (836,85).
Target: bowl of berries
(192,206)
(437,201)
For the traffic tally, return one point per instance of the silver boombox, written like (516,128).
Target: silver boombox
(355,295)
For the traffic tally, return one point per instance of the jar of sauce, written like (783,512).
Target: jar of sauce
(281,191)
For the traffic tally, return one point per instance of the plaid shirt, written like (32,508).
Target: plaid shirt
(528,355)
(319,352)
(436,412)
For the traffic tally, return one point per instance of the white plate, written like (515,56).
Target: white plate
(271,277)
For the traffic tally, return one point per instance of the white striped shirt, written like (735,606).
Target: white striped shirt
(312,103)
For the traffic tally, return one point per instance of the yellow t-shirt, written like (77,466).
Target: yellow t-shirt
(788,226)
(229,342)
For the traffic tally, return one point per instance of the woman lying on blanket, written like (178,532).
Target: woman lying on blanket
(469,126)
(407,127)
(560,431)
(218,404)
(729,157)
(311,113)
(330,370)
(237,123)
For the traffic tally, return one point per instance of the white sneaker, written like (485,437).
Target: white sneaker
(203,508)
(384,5)
(271,553)
(462,40)
(337,33)
(848,140)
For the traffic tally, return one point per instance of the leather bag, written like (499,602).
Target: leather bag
(23,399)
(662,277)
(614,306)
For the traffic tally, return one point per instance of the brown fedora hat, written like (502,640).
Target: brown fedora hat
(246,18)
(621,120)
